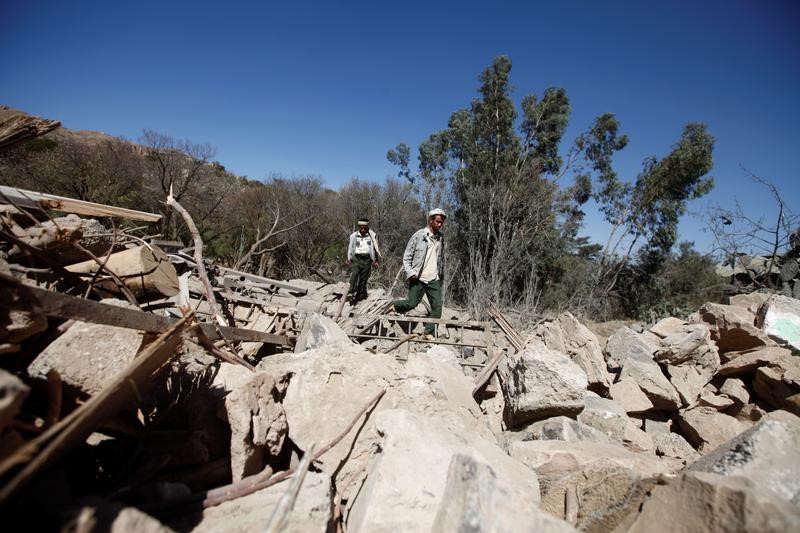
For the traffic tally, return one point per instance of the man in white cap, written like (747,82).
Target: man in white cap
(362,254)
(423,262)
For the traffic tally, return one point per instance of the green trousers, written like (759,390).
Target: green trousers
(415,291)
(360,269)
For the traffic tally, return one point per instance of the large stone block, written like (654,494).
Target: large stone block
(706,428)
(475,501)
(779,317)
(567,335)
(703,502)
(768,454)
(732,327)
(407,475)
(89,356)
(538,383)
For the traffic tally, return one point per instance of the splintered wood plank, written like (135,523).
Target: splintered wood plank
(60,305)
(24,198)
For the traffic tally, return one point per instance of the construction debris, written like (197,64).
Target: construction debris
(144,386)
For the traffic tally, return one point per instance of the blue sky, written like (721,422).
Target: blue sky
(326,88)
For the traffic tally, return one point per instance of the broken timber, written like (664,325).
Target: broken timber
(514,338)
(73,430)
(59,305)
(38,200)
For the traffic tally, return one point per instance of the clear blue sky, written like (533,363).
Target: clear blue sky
(326,88)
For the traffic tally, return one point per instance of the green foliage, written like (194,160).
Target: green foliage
(673,285)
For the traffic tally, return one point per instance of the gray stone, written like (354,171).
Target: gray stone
(634,355)
(673,445)
(553,459)
(258,424)
(407,474)
(606,416)
(559,428)
(606,493)
(648,376)
(339,381)
(567,335)
(20,325)
(319,331)
(625,343)
(475,501)
(779,317)
(768,454)
(691,359)
(634,438)
(704,502)
(706,428)
(538,383)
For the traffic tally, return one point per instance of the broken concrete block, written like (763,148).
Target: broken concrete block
(779,317)
(706,502)
(538,383)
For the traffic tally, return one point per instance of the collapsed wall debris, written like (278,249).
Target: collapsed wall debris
(154,388)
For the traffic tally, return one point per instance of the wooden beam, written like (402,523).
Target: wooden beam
(261,281)
(60,305)
(31,199)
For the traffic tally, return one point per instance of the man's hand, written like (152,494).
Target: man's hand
(375,264)
(348,262)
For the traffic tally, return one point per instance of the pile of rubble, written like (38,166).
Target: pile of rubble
(144,387)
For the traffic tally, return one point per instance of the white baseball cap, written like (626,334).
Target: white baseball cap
(437,211)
